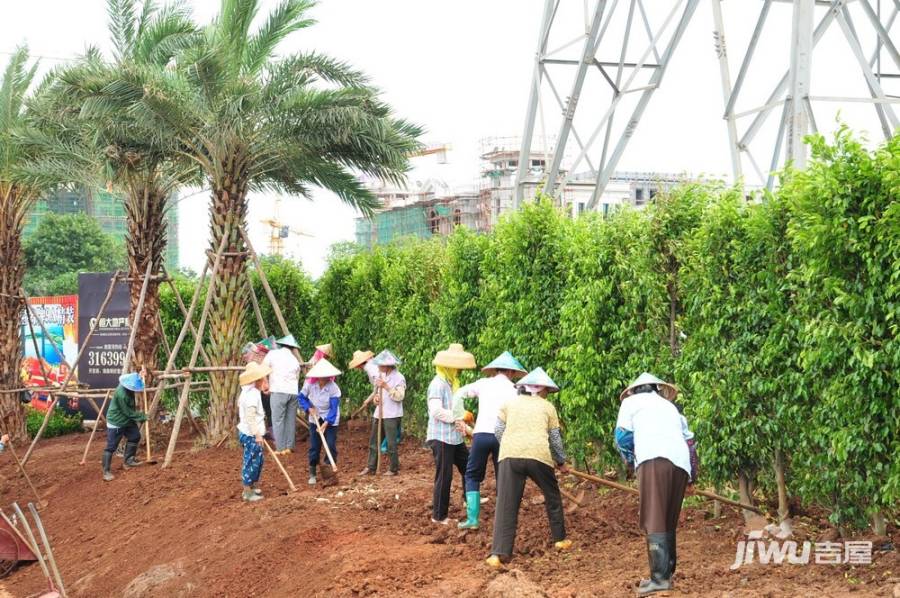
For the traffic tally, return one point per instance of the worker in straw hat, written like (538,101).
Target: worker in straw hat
(390,390)
(492,391)
(321,352)
(653,436)
(252,426)
(444,438)
(284,382)
(530,446)
(364,360)
(320,398)
(122,419)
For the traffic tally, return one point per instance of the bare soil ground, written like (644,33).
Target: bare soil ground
(182,531)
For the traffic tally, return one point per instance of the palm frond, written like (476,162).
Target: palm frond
(287,18)
(121,26)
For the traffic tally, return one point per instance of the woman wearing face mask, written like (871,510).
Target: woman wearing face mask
(530,446)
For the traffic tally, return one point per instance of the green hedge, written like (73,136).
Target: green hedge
(777,318)
(59,422)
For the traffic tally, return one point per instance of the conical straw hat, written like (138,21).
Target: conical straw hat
(327,349)
(253,372)
(288,341)
(359,358)
(387,358)
(538,377)
(323,369)
(505,361)
(666,390)
(455,357)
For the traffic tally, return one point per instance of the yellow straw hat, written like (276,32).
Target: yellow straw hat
(327,349)
(253,372)
(359,358)
(455,357)
(666,390)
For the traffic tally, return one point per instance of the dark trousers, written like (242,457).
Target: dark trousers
(662,485)
(389,433)
(446,457)
(484,446)
(131,432)
(510,487)
(315,444)
(267,408)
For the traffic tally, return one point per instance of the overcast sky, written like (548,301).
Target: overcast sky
(462,70)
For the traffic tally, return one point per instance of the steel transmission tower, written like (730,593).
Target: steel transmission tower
(620,56)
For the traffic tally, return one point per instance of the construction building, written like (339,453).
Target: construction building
(105,208)
(432,208)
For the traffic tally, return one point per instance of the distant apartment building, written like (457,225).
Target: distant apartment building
(106,209)
(432,208)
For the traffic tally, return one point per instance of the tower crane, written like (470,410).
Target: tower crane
(279,231)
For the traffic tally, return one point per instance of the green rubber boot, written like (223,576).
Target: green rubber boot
(473,507)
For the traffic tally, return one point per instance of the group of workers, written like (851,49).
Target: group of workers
(517,429)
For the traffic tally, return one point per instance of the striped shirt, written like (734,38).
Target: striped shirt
(440,413)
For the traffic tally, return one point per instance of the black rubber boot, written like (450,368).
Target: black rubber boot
(130,452)
(107,466)
(658,554)
(673,554)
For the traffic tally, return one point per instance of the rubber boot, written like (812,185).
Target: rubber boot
(473,507)
(130,452)
(658,555)
(107,466)
(673,554)
(312,475)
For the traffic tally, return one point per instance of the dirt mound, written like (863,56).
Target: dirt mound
(183,531)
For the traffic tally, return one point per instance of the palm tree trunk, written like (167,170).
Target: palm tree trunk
(12,272)
(229,303)
(146,242)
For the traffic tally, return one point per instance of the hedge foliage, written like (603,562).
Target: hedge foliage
(778,318)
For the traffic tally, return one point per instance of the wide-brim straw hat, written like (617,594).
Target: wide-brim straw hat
(327,349)
(666,390)
(132,382)
(253,372)
(455,357)
(359,358)
(538,377)
(323,369)
(288,341)
(505,361)
(387,358)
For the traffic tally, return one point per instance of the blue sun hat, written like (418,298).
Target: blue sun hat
(288,341)
(538,377)
(132,382)
(386,358)
(505,361)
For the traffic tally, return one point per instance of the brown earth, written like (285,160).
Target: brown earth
(182,531)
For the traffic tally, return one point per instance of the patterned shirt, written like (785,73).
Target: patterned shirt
(527,423)
(440,413)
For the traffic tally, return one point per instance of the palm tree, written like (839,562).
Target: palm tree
(88,139)
(251,121)
(16,198)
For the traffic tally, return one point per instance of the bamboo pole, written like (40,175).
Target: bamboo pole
(39,355)
(255,302)
(84,345)
(46,541)
(87,447)
(150,459)
(136,321)
(617,486)
(182,402)
(281,467)
(36,549)
(188,324)
(184,314)
(12,451)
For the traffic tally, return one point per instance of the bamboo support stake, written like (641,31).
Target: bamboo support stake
(617,486)
(94,430)
(281,467)
(255,302)
(84,345)
(150,459)
(12,451)
(185,392)
(184,314)
(188,324)
(136,321)
(46,541)
(34,545)
(52,399)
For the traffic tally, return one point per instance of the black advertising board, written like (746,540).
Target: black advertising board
(104,354)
